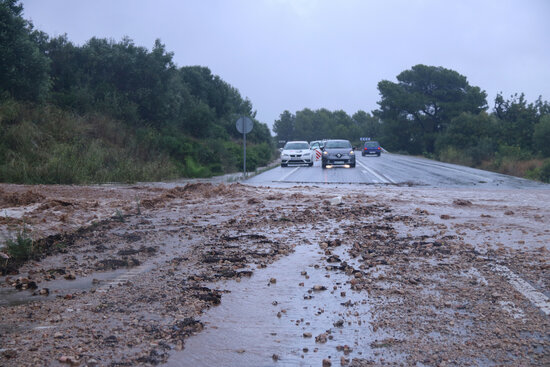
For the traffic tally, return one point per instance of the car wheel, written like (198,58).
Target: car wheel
(284,164)
(352,165)
(310,164)
(363,154)
(378,155)
(324,165)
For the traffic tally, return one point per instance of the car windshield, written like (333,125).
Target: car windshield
(337,144)
(296,146)
(371,144)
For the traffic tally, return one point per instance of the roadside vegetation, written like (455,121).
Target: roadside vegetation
(113,111)
(435,112)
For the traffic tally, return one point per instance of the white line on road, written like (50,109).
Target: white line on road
(288,174)
(537,298)
(381,178)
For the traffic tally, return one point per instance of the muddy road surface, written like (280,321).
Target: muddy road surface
(236,275)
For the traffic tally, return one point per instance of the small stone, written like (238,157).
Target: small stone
(44,292)
(69,360)
(58,335)
(307,335)
(272,280)
(327,362)
(275,357)
(70,276)
(336,201)
(321,338)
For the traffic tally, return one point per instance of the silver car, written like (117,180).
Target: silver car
(296,152)
(338,153)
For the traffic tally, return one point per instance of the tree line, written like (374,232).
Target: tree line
(118,104)
(435,112)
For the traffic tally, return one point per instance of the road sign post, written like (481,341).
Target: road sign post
(244,126)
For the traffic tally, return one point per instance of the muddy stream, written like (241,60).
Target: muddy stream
(274,317)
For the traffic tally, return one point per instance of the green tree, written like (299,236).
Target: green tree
(24,69)
(469,135)
(284,126)
(368,125)
(423,102)
(517,119)
(541,136)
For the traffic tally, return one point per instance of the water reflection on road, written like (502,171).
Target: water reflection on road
(261,323)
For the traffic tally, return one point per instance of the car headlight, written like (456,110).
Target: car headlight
(351,153)
(325,153)
(284,155)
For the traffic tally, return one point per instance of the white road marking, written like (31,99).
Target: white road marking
(381,178)
(288,174)
(526,289)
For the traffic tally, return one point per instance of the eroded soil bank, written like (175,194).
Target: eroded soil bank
(381,275)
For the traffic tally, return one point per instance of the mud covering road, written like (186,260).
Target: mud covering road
(130,275)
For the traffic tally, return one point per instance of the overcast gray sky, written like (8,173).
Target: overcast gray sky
(293,54)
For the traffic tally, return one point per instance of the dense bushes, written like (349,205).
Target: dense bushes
(44,144)
(112,111)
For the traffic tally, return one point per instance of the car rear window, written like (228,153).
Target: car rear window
(296,146)
(371,144)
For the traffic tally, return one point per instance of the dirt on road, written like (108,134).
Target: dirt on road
(126,274)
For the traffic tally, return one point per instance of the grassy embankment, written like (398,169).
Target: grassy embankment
(42,144)
(507,160)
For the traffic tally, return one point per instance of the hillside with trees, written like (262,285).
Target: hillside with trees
(435,112)
(113,111)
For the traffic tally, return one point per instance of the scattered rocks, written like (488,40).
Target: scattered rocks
(449,290)
(73,361)
(462,202)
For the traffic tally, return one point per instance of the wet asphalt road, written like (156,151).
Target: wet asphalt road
(394,169)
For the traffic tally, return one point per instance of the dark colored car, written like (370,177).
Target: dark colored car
(338,153)
(371,147)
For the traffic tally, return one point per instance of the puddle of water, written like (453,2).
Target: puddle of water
(245,330)
(12,297)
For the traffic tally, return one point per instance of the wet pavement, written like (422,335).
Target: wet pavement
(394,170)
(275,317)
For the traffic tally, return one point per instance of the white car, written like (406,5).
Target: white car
(296,152)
